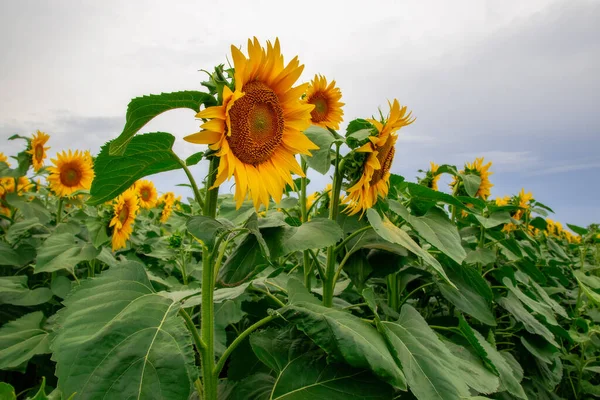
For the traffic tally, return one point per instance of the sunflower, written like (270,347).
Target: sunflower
(168,200)
(431,177)
(24,184)
(125,208)
(524,199)
(326,99)
(502,201)
(477,168)
(38,151)
(375,176)
(4,159)
(257,131)
(72,172)
(146,192)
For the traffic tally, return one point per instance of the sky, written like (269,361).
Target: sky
(515,82)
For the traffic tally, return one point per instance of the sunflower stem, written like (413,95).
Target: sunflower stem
(212,194)
(190,177)
(304,218)
(59,210)
(329,279)
(209,378)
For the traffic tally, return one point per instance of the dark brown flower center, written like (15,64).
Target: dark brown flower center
(145,193)
(39,152)
(70,176)
(319,113)
(257,124)
(123,214)
(385,156)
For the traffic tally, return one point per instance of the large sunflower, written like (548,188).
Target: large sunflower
(125,208)
(326,99)
(258,129)
(375,176)
(71,172)
(146,192)
(38,151)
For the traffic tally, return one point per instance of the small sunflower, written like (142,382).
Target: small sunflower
(168,200)
(502,201)
(38,151)
(375,176)
(257,131)
(72,171)
(147,193)
(24,184)
(326,99)
(524,199)
(125,208)
(477,168)
(4,159)
(431,177)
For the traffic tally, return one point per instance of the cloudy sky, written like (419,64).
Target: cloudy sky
(514,81)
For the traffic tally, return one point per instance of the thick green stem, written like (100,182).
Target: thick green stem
(239,340)
(183,271)
(329,281)
(393,295)
(209,379)
(59,210)
(304,218)
(210,205)
(197,194)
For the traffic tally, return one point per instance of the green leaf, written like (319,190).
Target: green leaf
(493,359)
(314,234)
(471,182)
(495,219)
(22,339)
(541,349)
(226,313)
(321,158)
(589,388)
(20,229)
(392,233)
(29,209)
(120,339)
(514,306)
(205,229)
(578,229)
(302,374)
(145,155)
(63,250)
(483,256)
(97,231)
(347,338)
(9,256)
(436,228)
(14,290)
(194,159)
(556,249)
(61,286)
(424,193)
(427,363)
(246,260)
(7,392)
(471,293)
(471,369)
(535,306)
(143,109)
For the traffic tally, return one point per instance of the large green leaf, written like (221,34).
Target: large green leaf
(21,228)
(63,250)
(436,228)
(429,367)
(345,337)
(7,392)
(304,374)
(392,233)
(205,229)
(535,306)
(119,339)
(145,155)
(513,305)
(314,234)
(424,193)
(495,219)
(14,290)
(472,370)
(29,208)
(471,182)
(244,262)
(321,158)
(142,109)
(472,294)
(22,339)
(8,255)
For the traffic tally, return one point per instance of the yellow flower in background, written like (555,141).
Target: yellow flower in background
(258,129)
(7,185)
(168,200)
(326,99)
(71,172)
(502,201)
(375,177)
(478,168)
(4,159)
(435,177)
(24,184)
(38,151)
(524,199)
(147,193)
(310,199)
(125,209)
(509,227)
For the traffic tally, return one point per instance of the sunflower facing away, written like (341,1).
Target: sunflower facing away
(524,199)
(258,129)
(72,171)
(326,99)
(502,201)
(168,200)
(432,176)
(376,168)
(38,151)
(477,168)
(146,192)
(125,208)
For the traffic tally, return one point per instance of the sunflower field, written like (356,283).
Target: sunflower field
(373,287)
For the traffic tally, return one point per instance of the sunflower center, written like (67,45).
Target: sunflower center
(257,124)
(123,214)
(145,194)
(385,156)
(319,113)
(39,152)
(70,176)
